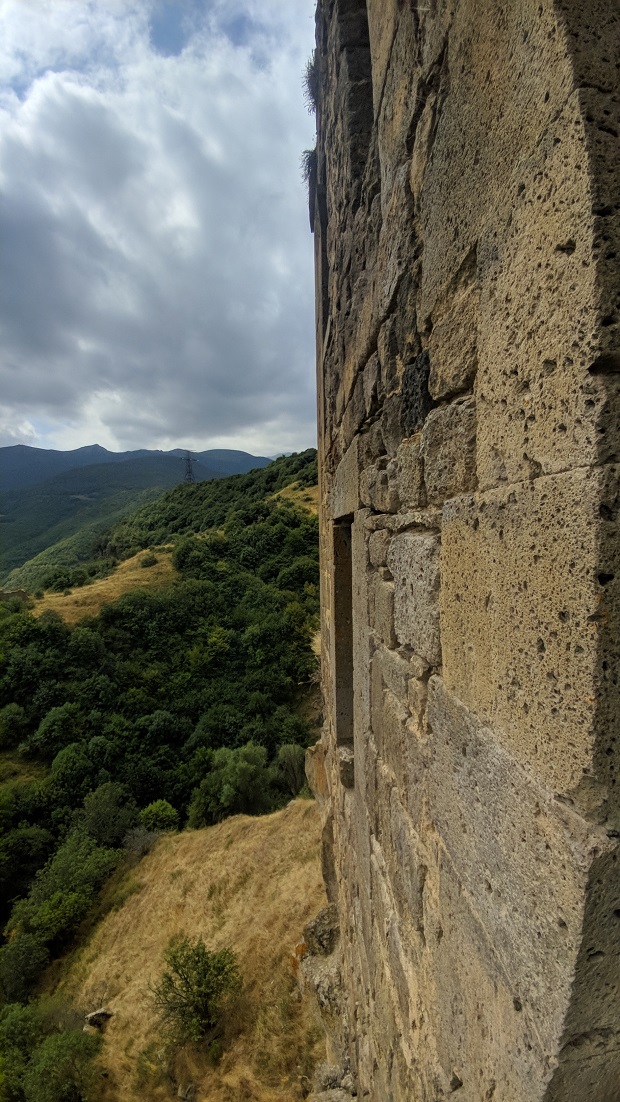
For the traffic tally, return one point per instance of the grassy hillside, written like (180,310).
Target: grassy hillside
(187,509)
(89,600)
(249,884)
(36,517)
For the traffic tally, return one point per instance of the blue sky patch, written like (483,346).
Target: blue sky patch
(168,28)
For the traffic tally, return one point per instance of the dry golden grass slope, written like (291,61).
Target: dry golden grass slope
(305,497)
(88,600)
(248,883)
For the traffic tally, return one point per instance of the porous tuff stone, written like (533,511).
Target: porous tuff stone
(413,560)
(467,248)
(448,450)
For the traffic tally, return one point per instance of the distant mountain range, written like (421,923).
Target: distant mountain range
(21,465)
(49,496)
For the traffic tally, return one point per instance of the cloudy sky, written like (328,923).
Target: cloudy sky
(156,283)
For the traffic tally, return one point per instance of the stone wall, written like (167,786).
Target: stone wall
(466,213)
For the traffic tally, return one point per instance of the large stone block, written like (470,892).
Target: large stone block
(453,343)
(522,857)
(379,487)
(520,605)
(381,602)
(487,1045)
(448,450)
(410,468)
(345,492)
(413,560)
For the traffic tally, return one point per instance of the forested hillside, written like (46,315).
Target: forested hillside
(175,705)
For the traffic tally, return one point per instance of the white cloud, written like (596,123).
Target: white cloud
(157,273)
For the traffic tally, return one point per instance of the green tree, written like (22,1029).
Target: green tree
(56,730)
(191,994)
(22,960)
(62,890)
(21,1030)
(12,725)
(109,813)
(240,782)
(61,1068)
(159,815)
(291,761)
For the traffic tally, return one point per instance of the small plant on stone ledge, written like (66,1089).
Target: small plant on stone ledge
(311,83)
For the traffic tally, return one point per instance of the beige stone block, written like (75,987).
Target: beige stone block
(370,383)
(345,491)
(539,334)
(486,1040)
(382,20)
(413,560)
(409,867)
(378,545)
(520,607)
(483,142)
(410,466)
(522,857)
(417,693)
(394,740)
(379,487)
(381,601)
(362,640)
(346,766)
(448,449)
(453,343)
(395,672)
(355,412)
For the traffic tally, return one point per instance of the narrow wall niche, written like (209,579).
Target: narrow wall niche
(343,632)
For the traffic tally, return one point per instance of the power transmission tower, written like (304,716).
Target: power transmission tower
(189,473)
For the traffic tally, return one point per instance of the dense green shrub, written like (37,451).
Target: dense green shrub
(109,813)
(159,815)
(191,994)
(63,889)
(22,960)
(239,782)
(291,762)
(61,1068)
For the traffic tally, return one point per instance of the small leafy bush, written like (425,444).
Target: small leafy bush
(192,993)
(160,815)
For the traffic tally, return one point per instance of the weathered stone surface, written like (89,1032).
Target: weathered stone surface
(378,488)
(520,605)
(378,547)
(381,609)
(448,450)
(525,869)
(346,491)
(413,559)
(453,343)
(321,933)
(467,242)
(411,473)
